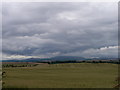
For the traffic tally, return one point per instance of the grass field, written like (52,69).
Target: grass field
(69,75)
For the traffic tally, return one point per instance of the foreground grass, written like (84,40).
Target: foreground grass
(71,75)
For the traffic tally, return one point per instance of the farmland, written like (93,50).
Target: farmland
(65,75)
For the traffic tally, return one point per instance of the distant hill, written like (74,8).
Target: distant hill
(57,58)
(67,58)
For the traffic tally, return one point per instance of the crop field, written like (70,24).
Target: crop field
(67,75)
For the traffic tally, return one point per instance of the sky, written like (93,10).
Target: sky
(48,29)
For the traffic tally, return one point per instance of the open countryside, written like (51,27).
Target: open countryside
(62,75)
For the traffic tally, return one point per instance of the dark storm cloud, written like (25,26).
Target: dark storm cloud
(51,29)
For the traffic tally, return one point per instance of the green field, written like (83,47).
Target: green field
(69,75)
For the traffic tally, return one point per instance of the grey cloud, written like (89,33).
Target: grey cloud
(58,28)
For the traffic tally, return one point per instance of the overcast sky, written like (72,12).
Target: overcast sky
(55,29)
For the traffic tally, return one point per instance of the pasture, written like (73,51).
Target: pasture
(67,75)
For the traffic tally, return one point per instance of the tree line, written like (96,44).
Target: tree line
(83,61)
(17,65)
